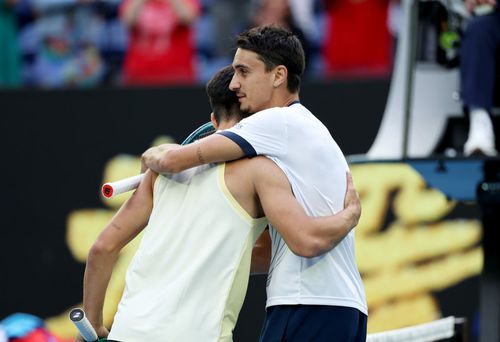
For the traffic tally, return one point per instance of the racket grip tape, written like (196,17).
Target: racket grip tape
(77,316)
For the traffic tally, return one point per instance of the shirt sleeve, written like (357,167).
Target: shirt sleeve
(263,133)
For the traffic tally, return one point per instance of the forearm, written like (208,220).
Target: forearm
(96,279)
(176,158)
(127,223)
(305,235)
(166,159)
(329,231)
(312,236)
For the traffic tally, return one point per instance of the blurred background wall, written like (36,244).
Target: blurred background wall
(77,113)
(419,253)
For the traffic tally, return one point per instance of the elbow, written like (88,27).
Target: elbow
(309,247)
(102,249)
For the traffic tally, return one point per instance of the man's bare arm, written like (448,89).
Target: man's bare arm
(305,236)
(176,158)
(127,223)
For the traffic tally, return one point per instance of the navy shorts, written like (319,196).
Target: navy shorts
(303,323)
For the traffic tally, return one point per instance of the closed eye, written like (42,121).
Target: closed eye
(240,69)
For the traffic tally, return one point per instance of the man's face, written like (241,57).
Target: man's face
(251,82)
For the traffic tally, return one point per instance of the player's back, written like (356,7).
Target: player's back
(188,279)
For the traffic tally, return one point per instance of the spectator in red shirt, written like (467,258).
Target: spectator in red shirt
(357,40)
(161,41)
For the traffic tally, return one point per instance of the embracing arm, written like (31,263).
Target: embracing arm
(305,236)
(127,223)
(176,158)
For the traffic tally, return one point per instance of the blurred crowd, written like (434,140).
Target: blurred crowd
(86,43)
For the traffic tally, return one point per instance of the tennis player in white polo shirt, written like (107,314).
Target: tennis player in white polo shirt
(189,276)
(317,296)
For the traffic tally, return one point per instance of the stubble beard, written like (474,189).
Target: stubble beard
(246,111)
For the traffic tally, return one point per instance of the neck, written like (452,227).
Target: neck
(292,98)
(284,100)
(225,124)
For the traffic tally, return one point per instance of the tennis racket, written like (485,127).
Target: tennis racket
(111,189)
(77,316)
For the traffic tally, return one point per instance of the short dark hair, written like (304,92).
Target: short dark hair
(223,101)
(275,46)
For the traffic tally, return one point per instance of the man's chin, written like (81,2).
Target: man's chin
(245,110)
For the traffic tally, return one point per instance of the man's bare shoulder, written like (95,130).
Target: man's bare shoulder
(257,169)
(257,163)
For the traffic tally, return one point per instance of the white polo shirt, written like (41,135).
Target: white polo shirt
(316,169)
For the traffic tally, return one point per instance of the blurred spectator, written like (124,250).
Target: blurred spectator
(303,16)
(161,42)
(357,39)
(280,12)
(229,18)
(114,46)
(67,54)
(479,60)
(9,54)
(22,327)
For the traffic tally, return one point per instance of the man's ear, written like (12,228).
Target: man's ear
(213,121)
(280,76)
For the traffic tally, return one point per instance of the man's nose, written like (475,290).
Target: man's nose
(234,84)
